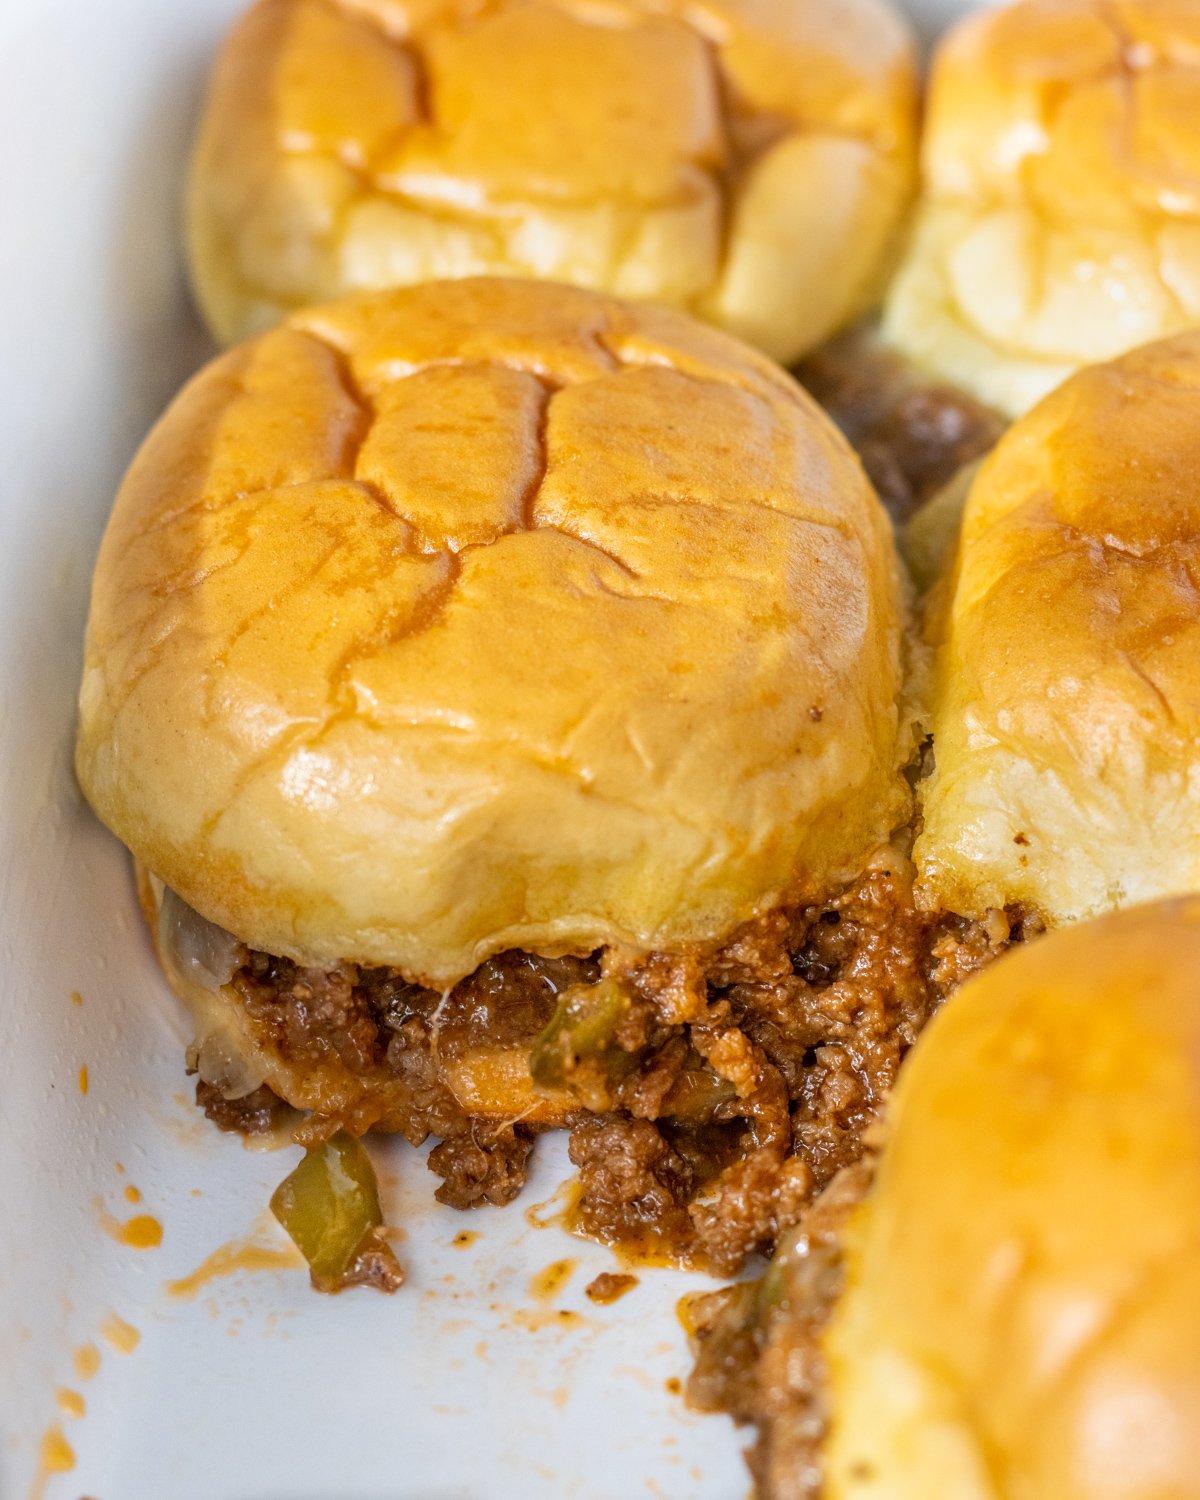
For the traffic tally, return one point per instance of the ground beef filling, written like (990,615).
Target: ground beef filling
(256,1114)
(400,1042)
(759,1354)
(759,1344)
(912,434)
(711,1096)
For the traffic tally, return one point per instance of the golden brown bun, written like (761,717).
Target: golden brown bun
(1066,704)
(492,614)
(1060,217)
(748,160)
(1022,1314)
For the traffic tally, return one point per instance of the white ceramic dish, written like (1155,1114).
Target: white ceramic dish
(463,1387)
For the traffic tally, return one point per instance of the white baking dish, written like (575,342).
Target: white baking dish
(465,1386)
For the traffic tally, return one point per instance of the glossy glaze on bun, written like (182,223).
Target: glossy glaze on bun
(748,160)
(492,614)
(1060,214)
(1022,1314)
(1066,703)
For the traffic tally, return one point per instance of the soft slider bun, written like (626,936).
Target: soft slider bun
(492,615)
(1066,706)
(1022,1312)
(1060,216)
(748,160)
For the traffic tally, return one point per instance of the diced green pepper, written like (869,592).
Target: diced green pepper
(804,1271)
(583,1026)
(771,1286)
(330,1207)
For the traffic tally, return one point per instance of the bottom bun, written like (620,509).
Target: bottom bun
(1022,1312)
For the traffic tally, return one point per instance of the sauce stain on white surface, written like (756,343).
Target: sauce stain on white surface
(56,1457)
(87,1361)
(546,1284)
(555,1211)
(232,1259)
(70,1402)
(119,1335)
(685,1313)
(536,1319)
(142,1232)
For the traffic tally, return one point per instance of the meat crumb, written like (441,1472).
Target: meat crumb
(256,1114)
(486,1164)
(609,1286)
(374,1264)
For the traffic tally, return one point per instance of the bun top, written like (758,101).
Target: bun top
(492,614)
(1022,1314)
(1060,222)
(747,160)
(1066,701)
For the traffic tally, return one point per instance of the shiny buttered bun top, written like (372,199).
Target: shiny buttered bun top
(748,160)
(1060,216)
(1066,703)
(492,614)
(1022,1313)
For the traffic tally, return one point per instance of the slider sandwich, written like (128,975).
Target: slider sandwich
(1059,221)
(499,688)
(1066,693)
(747,160)
(1013,1313)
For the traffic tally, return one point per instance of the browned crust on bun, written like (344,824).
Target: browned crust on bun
(1066,703)
(492,615)
(748,160)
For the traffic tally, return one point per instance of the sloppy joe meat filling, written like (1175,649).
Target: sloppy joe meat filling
(711,1096)
(759,1355)
(912,433)
(759,1344)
